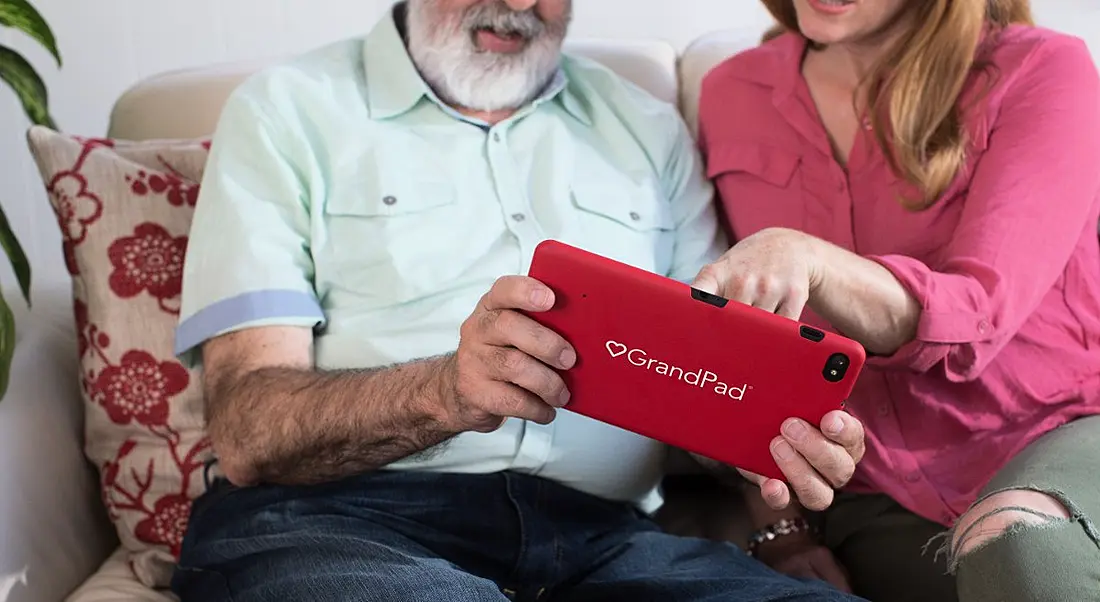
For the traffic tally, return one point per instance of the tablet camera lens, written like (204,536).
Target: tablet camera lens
(835,368)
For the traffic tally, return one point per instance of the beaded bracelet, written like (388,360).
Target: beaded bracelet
(776,530)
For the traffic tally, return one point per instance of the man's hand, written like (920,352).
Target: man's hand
(815,462)
(504,365)
(774,270)
(802,557)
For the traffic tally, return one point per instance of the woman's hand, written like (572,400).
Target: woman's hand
(774,269)
(803,557)
(782,271)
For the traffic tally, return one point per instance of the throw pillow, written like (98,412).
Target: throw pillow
(124,209)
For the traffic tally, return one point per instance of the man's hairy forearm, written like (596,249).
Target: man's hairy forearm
(300,426)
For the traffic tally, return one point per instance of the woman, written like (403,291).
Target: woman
(923,176)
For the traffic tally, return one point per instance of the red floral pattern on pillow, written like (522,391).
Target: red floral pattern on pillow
(77,208)
(174,188)
(124,210)
(167,522)
(138,389)
(149,261)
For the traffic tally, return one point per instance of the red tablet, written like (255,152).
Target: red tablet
(664,360)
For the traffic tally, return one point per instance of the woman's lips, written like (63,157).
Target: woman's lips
(831,7)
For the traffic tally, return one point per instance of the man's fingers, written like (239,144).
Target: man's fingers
(775,493)
(811,490)
(752,477)
(828,459)
(846,430)
(508,400)
(513,329)
(518,292)
(512,365)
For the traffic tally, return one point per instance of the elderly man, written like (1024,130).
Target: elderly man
(385,418)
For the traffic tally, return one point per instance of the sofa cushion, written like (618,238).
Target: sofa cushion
(52,528)
(114,582)
(704,54)
(124,210)
(186,103)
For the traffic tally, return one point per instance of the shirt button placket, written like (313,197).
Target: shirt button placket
(537,439)
(512,195)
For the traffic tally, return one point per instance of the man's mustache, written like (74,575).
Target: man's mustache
(498,17)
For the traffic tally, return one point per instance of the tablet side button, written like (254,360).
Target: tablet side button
(812,334)
(708,298)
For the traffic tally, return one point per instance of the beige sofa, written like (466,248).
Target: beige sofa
(55,541)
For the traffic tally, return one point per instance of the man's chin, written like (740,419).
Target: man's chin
(488,93)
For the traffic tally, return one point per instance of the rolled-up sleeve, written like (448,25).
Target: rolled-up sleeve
(248,260)
(1033,194)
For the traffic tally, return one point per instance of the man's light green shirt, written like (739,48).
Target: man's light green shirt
(340,194)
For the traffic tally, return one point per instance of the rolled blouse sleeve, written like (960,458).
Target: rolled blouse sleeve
(1032,197)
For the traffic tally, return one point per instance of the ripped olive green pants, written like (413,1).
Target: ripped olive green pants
(896,556)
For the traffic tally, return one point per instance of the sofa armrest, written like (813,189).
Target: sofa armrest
(53,527)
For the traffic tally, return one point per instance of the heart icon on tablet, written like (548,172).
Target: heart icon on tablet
(615,349)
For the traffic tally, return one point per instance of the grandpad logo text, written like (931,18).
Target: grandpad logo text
(697,378)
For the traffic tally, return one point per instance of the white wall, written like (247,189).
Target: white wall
(107,45)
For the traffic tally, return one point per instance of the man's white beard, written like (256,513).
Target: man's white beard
(450,62)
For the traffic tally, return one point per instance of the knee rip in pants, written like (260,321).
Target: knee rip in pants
(1006,512)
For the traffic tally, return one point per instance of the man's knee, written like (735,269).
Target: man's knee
(1001,513)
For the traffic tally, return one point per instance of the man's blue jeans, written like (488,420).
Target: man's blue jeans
(397,537)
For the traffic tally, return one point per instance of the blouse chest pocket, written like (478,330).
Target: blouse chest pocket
(388,233)
(758,185)
(626,219)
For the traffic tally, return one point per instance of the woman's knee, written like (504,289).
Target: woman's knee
(1024,545)
(1001,513)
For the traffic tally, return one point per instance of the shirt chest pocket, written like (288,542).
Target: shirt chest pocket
(391,236)
(625,219)
(759,186)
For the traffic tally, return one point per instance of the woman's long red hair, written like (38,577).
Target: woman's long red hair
(919,82)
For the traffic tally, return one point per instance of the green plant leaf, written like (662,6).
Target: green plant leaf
(16,256)
(28,86)
(7,343)
(22,16)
